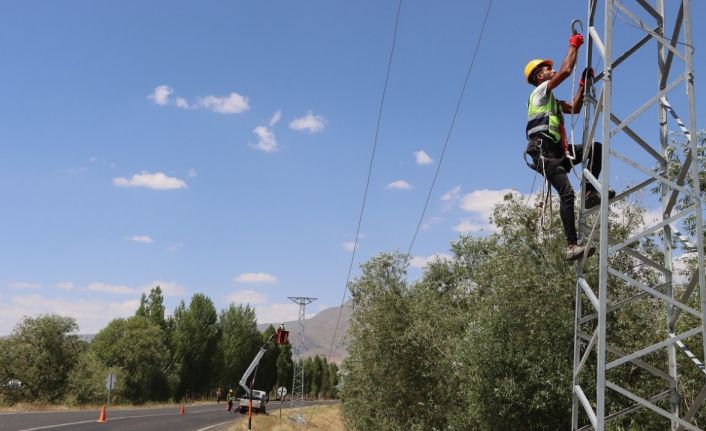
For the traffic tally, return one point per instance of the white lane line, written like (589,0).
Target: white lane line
(213,426)
(85,422)
(56,426)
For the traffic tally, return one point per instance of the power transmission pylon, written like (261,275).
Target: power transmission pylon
(298,350)
(666,26)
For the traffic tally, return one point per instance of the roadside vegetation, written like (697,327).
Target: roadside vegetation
(483,340)
(156,358)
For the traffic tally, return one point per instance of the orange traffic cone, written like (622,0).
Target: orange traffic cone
(101,418)
(181,410)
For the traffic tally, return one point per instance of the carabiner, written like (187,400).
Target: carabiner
(573,26)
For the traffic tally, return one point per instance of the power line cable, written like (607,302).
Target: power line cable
(448,135)
(370,169)
(367,183)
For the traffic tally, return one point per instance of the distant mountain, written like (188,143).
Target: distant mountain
(319,331)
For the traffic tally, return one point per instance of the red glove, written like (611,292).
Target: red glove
(587,73)
(576,40)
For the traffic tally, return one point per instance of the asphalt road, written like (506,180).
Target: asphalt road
(200,417)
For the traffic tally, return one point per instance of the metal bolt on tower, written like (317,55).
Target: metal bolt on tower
(298,379)
(648,42)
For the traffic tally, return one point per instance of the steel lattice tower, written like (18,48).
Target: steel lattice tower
(642,144)
(298,378)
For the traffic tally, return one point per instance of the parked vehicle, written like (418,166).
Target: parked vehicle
(259,402)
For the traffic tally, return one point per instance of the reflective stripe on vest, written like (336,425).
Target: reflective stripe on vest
(546,119)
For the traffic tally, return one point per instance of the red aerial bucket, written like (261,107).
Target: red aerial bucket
(281,337)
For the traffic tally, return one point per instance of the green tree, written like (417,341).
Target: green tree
(40,353)
(239,342)
(308,375)
(378,369)
(134,348)
(332,373)
(285,367)
(195,338)
(484,340)
(86,382)
(317,375)
(152,308)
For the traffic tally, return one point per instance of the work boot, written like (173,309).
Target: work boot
(575,251)
(593,198)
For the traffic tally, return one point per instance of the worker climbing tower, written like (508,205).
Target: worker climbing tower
(647,43)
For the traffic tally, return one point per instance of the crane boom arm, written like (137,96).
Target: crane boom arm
(253,364)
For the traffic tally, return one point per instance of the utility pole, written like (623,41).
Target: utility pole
(298,350)
(659,31)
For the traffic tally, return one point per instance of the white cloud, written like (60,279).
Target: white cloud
(169,288)
(482,202)
(65,285)
(91,315)
(348,245)
(266,139)
(156,181)
(452,195)
(255,277)
(651,217)
(276,313)
(683,266)
(111,288)
(247,297)
(275,118)
(161,94)
(312,123)
(23,285)
(422,158)
(469,226)
(400,185)
(176,246)
(234,103)
(431,221)
(421,261)
(181,103)
(192,173)
(145,239)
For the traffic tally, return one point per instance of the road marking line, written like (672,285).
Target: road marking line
(85,422)
(213,426)
(56,426)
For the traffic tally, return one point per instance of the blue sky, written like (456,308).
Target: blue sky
(222,146)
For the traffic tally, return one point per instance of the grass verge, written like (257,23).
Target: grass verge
(324,418)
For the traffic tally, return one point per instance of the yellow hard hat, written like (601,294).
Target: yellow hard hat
(533,64)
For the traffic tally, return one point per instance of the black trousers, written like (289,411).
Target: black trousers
(555,166)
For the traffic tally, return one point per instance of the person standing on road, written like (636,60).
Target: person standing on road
(231,398)
(219,394)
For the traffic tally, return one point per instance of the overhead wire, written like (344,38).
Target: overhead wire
(451,127)
(438,169)
(370,169)
(427,336)
(367,182)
